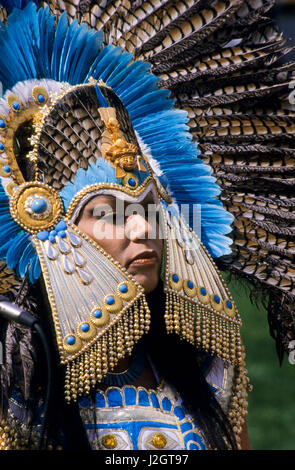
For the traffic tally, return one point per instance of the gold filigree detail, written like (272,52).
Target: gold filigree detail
(37,92)
(21,214)
(116,186)
(12,99)
(123,156)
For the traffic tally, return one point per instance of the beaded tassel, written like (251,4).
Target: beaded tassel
(84,371)
(203,328)
(239,404)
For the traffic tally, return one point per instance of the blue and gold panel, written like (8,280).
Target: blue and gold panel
(133,418)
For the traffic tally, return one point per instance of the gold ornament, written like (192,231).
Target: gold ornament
(40,95)
(14,103)
(109,441)
(159,440)
(35,206)
(124,156)
(99,316)
(130,181)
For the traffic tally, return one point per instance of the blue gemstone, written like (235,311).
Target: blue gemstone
(1,146)
(43,235)
(85,327)
(229,304)
(39,205)
(6,168)
(97,313)
(51,238)
(16,105)
(203,291)
(190,284)
(71,340)
(123,288)
(132,182)
(53,233)
(41,98)
(62,234)
(216,299)
(175,278)
(110,300)
(61,226)
(2,124)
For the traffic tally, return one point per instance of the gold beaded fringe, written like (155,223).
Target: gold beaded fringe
(203,328)
(83,372)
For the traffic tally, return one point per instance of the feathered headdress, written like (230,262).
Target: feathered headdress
(76,118)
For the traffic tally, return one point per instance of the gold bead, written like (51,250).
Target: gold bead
(159,440)
(109,441)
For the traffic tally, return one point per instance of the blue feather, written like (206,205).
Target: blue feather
(66,50)
(117,75)
(100,98)
(59,39)
(16,249)
(35,269)
(11,4)
(25,260)
(87,48)
(46,25)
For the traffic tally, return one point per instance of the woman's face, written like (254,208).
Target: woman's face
(129,233)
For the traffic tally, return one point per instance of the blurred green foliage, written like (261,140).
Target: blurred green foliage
(271,410)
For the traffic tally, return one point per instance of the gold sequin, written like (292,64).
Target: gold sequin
(159,440)
(109,441)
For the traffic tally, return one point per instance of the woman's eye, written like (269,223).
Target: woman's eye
(108,217)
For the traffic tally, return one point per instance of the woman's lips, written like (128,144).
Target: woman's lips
(144,261)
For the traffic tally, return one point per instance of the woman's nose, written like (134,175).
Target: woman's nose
(137,228)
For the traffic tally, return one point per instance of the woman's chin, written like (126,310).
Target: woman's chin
(149,283)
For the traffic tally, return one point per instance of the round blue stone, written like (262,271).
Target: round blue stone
(97,313)
(132,182)
(1,146)
(175,278)
(41,98)
(6,168)
(16,105)
(60,226)
(2,124)
(85,327)
(216,299)
(62,234)
(71,340)
(123,288)
(43,235)
(53,233)
(190,284)
(39,205)
(110,300)
(203,291)
(229,304)
(51,238)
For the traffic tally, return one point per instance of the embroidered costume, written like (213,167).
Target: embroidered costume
(80,117)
